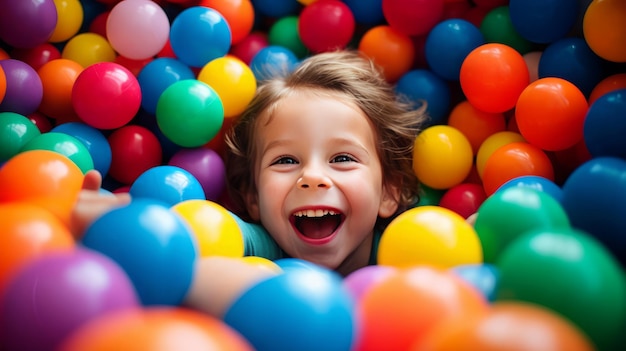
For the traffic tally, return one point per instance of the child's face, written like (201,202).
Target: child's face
(319,180)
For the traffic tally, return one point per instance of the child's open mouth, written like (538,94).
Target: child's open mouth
(317,224)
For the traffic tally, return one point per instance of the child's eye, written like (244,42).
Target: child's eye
(342,158)
(285,160)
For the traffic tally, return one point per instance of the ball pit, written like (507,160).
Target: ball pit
(524,97)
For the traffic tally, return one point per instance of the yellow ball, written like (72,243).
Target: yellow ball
(442,157)
(429,235)
(233,81)
(215,229)
(263,263)
(88,49)
(491,144)
(69,19)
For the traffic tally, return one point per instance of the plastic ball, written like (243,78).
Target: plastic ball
(15,131)
(390,49)
(541,21)
(366,12)
(429,235)
(93,139)
(569,260)
(148,229)
(44,178)
(134,149)
(493,76)
(414,17)
(106,95)
(250,46)
(447,45)
(572,60)
(508,214)
(602,125)
(3,84)
(593,198)
(475,124)
(156,76)
(57,79)
(26,24)
(483,277)
(361,280)
(273,61)
(233,81)
(88,49)
(64,144)
(423,86)
(293,264)
(24,90)
(69,20)
(442,157)
(276,8)
(28,231)
(513,160)
(239,14)
(326,25)
(512,326)
(532,59)
(215,230)
(603,29)
(537,183)
(264,314)
(37,56)
(206,166)
(406,307)
(550,113)
(152,329)
(464,198)
(198,35)
(491,144)
(611,83)
(262,263)
(42,122)
(497,27)
(195,103)
(168,184)
(58,292)
(284,32)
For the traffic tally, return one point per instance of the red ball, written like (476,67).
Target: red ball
(134,150)
(326,25)
(38,55)
(249,46)
(464,198)
(414,17)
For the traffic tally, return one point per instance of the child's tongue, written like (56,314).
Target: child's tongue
(317,228)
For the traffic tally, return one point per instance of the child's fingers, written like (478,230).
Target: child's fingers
(92,180)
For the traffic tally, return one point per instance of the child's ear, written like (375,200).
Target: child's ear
(252,205)
(389,201)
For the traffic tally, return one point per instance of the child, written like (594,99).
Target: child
(321,159)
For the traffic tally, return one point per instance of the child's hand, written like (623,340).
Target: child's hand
(91,203)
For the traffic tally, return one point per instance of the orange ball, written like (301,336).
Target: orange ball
(491,144)
(493,76)
(42,177)
(155,329)
(238,13)
(550,113)
(510,326)
(3,84)
(57,78)
(604,30)
(391,49)
(515,160)
(611,83)
(27,232)
(407,306)
(475,124)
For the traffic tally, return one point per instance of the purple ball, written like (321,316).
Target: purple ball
(58,292)
(359,281)
(24,88)
(25,23)
(204,164)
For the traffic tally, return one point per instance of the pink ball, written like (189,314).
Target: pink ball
(326,25)
(206,165)
(362,279)
(106,95)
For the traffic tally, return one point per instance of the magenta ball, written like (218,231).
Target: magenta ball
(106,95)
(58,292)
(359,281)
(24,89)
(25,24)
(204,164)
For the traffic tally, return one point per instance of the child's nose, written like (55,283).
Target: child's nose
(313,179)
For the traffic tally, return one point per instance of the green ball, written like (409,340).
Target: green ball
(571,273)
(190,113)
(15,131)
(497,27)
(284,32)
(429,196)
(63,144)
(509,213)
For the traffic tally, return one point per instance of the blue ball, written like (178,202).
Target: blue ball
(422,85)
(293,264)
(573,60)
(605,125)
(156,76)
(483,277)
(167,184)
(152,244)
(276,8)
(537,183)
(198,35)
(366,12)
(543,21)
(447,45)
(304,309)
(594,199)
(273,61)
(93,139)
